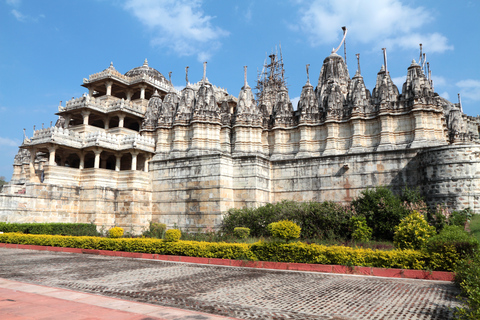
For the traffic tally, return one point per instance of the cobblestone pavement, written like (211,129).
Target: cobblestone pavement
(236,292)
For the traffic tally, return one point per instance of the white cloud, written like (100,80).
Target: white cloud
(445,95)
(469,89)
(375,22)
(399,81)
(434,42)
(439,81)
(180,25)
(14,3)
(19,16)
(24,18)
(7,142)
(294,102)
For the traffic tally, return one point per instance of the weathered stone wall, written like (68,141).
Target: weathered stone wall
(451,175)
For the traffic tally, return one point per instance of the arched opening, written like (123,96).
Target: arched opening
(140,162)
(97,123)
(110,162)
(113,123)
(89,160)
(126,162)
(132,124)
(72,161)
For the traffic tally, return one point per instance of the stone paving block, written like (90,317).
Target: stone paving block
(245,293)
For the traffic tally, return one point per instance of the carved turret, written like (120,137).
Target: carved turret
(332,85)
(154,107)
(169,107)
(308,105)
(283,110)
(247,112)
(358,98)
(185,106)
(206,107)
(385,94)
(417,86)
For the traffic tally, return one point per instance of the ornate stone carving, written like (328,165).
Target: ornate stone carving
(385,94)
(153,111)
(185,107)
(169,107)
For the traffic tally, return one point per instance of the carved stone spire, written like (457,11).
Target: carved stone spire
(385,92)
(169,107)
(283,110)
(247,112)
(153,110)
(308,104)
(186,104)
(332,85)
(416,85)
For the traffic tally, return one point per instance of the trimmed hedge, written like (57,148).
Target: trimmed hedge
(265,251)
(65,229)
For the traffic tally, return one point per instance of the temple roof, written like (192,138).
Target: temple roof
(145,69)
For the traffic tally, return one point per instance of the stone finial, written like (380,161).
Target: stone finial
(204,71)
(111,64)
(308,73)
(170,76)
(186,74)
(385,59)
(245,84)
(358,63)
(145,63)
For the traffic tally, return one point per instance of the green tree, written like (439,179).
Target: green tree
(2,182)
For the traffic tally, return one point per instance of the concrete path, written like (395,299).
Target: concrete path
(236,292)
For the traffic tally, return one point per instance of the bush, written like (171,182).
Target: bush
(173,235)
(413,232)
(115,232)
(467,278)
(449,246)
(241,232)
(155,230)
(284,229)
(460,218)
(382,211)
(321,220)
(360,231)
(275,251)
(66,229)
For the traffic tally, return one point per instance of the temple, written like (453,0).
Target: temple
(134,149)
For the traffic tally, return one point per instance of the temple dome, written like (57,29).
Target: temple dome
(145,69)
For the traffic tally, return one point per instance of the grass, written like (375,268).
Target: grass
(475,226)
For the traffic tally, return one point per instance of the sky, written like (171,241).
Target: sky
(47,47)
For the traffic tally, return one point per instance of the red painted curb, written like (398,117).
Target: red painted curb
(369,271)
(390,273)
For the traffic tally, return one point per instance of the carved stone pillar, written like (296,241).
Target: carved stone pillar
(97,158)
(108,86)
(31,164)
(81,155)
(90,91)
(142,91)
(107,123)
(134,159)
(51,155)
(129,94)
(121,120)
(67,121)
(145,164)
(86,116)
(118,158)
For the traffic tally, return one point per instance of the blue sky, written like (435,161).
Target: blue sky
(48,46)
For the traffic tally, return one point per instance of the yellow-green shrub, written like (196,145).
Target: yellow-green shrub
(282,252)
(115,232)
(413,232)
(173,235)
(241,232)
(285,229)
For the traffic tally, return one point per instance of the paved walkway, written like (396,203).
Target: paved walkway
(241,293)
